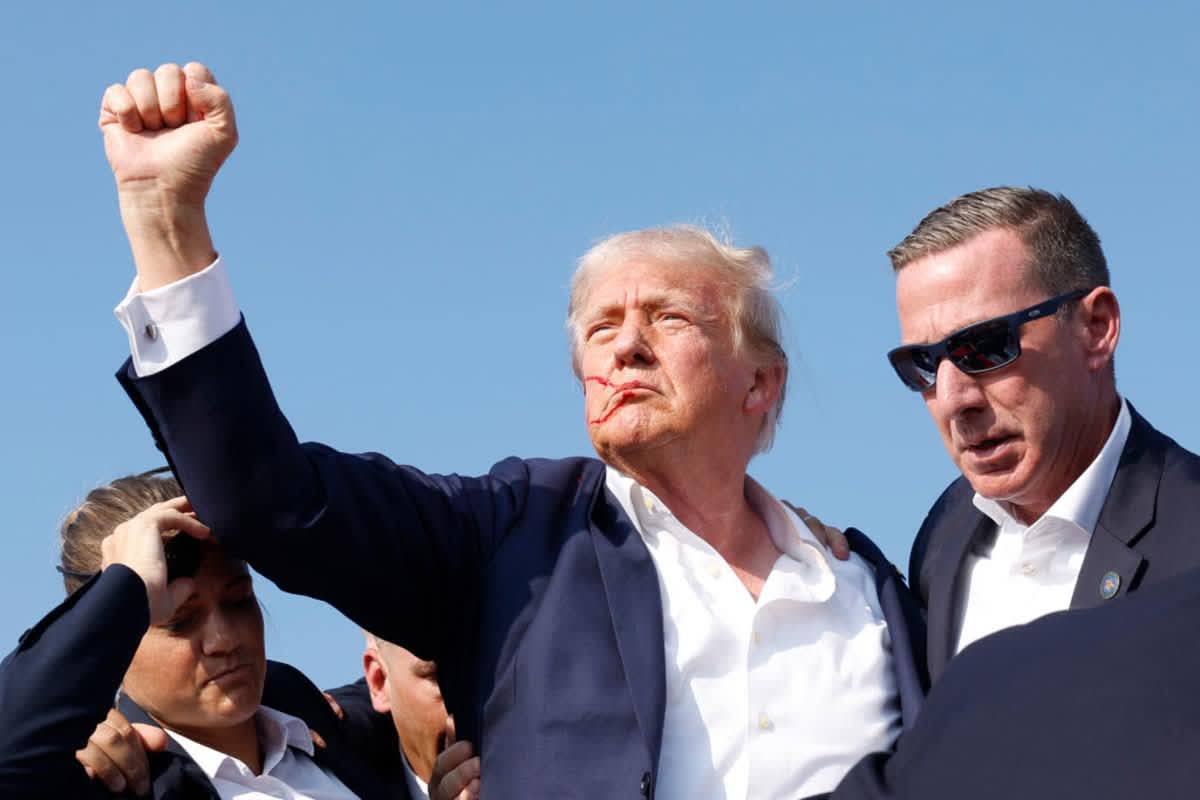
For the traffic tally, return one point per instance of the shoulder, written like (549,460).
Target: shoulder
(289,690)
(954,501)
(549,470)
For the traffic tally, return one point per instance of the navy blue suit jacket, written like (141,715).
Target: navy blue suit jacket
(62,678)
(1146,533)
(1098,702)
(550,648)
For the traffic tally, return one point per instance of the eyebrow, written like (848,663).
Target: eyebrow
(654,301)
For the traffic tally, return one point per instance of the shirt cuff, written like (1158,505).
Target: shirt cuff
(168,324)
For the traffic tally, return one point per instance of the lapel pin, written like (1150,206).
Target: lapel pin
(1109,585)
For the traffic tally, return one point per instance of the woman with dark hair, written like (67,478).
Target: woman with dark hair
(159,617)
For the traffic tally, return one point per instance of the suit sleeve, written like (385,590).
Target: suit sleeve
(61,681)
(357,531)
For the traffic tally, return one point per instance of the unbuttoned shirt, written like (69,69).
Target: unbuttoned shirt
(1029,571)
(288,771)
(773,698)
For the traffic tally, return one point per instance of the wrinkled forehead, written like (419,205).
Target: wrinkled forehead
(645,281)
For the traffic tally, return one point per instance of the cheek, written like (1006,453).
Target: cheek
(162,671)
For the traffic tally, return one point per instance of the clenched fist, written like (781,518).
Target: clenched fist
(166,133)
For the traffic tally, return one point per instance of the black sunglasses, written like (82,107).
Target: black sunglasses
(982,347)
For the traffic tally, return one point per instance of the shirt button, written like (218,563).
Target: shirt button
(764,722)
(757,637)
(648,502)
(1028,569)
(151,331)
(714,569)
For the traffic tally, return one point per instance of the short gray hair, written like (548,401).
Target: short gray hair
(1064,251)
(750,304)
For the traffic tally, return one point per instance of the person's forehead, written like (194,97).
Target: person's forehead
(648,281)
(985,277)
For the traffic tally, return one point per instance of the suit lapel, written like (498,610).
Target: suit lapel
(947,566)
(631,586)
(172,771)
(1127,513)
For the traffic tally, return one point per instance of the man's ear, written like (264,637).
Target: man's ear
(764,392)
(1101,316)
(376,674)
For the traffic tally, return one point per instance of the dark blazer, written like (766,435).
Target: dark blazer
(1146,533)
(61,681)
(550,650)
(1098,702)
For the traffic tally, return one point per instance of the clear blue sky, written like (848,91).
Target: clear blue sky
(414,182)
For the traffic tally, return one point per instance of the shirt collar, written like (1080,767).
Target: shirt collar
(787,531)
(1083,500)
(277,731)
(416,787)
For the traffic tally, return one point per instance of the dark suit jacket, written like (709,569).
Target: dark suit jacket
(61,681)
(550,651)
(1098,702)
(1146,533)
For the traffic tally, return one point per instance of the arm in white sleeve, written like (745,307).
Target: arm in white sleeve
(168,324)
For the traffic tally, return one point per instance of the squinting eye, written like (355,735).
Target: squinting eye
(181,624)
(598,329)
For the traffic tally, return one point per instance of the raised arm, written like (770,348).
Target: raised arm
(345,529)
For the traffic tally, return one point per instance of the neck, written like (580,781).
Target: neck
(709,498)
(420,756)
(1078,456)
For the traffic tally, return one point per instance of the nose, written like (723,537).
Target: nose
(630,348)
(955,392)
(220,634)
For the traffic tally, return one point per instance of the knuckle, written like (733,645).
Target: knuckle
(138,75)
(105,736)
(169,68)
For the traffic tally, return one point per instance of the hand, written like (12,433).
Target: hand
(138,544)
(334,705)
(456,770)
(831,537)
(166,134)
(116,753)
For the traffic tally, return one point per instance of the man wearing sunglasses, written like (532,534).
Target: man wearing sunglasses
(1068,497)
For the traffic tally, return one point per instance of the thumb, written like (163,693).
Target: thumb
(449,732)
(153,737)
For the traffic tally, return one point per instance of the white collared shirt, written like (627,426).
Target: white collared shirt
(1030,571)
(770,699)
(288,771)
(416,787)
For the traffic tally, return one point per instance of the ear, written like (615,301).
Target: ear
(376,674)
(1100,315)
(764,391)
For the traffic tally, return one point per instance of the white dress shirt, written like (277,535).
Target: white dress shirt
(286,773)
(1030,571)
(416,787)
(768,699)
